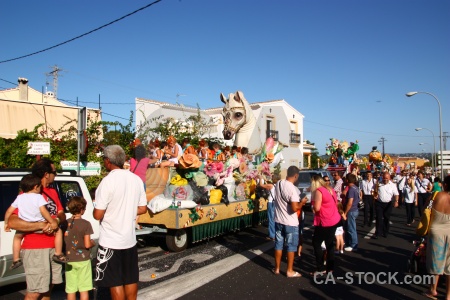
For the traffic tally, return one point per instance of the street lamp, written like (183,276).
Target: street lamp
(434,145)
(410,94)
(432,159)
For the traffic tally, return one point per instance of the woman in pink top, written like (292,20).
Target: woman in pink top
(326,220)
(139,162)
(138,165)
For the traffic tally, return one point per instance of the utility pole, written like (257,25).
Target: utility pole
(54,73)
(381,141)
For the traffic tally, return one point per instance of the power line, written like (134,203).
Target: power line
(115,116)
(7,81)
(92,102)
(82,35)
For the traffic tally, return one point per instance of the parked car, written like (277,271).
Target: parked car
(304,182)
(66,184)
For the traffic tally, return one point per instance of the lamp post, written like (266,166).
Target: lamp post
(410,94)
(434,146)
(432,160)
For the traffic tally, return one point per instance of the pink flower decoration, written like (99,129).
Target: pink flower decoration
(219,166)
(265,168)
(253,174)
(210,169)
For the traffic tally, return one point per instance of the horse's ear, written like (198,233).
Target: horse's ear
(223,99)
(239,96)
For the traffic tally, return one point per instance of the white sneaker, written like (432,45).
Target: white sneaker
(374,221)
(390,223)
(341,251)
(348,248)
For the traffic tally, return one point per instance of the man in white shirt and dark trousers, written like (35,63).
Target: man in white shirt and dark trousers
(387,191)
(367,186)
(401,180)
(119,198)
(423,187)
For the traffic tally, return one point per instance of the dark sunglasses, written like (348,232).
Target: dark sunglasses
(327,180)
(52,172)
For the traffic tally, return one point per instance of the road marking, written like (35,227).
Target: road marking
(196,258)
(199,277)
(370,234)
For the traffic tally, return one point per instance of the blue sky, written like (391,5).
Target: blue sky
(345,65)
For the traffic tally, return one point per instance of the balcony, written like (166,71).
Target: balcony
(273,134)
(295,138)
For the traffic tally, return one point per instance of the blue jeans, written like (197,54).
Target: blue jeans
(270,217)
(351,237)
(286,236)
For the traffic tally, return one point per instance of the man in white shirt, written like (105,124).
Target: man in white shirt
(387,191)
(119,198)
(401,179)
(338,182)
(423,187)
(367,186)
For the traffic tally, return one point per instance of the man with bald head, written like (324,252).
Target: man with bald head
(387,198)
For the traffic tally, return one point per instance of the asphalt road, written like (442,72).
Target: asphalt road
(238,266)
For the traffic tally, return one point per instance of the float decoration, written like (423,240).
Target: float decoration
(349,152)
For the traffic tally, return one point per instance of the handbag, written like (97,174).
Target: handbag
(425,220)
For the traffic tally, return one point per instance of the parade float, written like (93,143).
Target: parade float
(348,153)
(198,200)
(380,163)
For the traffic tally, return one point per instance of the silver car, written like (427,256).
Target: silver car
(304,182)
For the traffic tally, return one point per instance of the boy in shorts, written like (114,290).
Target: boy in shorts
(78,242)
(32,208)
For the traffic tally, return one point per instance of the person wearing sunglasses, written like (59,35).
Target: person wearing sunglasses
(38,249)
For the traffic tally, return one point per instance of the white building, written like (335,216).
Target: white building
(275,118)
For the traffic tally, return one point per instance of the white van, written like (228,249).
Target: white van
(67,186)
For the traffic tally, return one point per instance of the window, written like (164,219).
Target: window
(269,130)
(8,193)
(67,190)
(295,138)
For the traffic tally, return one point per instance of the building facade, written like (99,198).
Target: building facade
(23,108)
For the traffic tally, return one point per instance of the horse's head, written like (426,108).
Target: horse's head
(234,113)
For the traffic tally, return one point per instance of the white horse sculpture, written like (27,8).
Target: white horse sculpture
(240,122)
